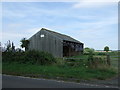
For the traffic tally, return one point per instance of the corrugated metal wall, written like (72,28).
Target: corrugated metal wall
(48,43)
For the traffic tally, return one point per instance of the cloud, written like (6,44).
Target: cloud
(0,36)
(95,34)
(94,3)
(96,38)
(87,25)
(32,31)
(12,14)
(15,25)
(56,0)
(13,37)
(6,36)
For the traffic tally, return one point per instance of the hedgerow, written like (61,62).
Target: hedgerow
(32,56)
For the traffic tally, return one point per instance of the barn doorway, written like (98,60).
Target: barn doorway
(71,48)
(65,51)
(68,50)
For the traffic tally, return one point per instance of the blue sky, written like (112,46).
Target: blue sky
(93,23)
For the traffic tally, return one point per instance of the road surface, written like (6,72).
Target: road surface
(9,81)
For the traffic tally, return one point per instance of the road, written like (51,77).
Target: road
(9,81)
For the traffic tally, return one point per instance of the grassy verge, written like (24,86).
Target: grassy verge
(81,73)
(39,64)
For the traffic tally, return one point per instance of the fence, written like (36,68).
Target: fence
(94,61)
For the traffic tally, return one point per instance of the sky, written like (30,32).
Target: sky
(93,23)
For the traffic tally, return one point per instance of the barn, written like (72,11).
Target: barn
(59,45)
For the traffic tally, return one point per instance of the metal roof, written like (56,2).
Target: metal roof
(62,36)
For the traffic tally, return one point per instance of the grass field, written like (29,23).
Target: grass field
(63,70)
(114,57)
(114,62)
(58,71)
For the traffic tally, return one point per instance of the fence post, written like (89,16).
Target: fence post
(108,60)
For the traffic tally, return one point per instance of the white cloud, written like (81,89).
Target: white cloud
(96,34)
(94,3)
(32,31)
(56,0)
(7,36)
(14,25)
(10,13)
(13,35)
(99,0)
(0,36)
(88,28)
(96,38)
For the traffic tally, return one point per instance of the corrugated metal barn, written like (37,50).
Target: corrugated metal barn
(59,45)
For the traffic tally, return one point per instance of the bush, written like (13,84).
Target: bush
(96,61)
(33,57)
(60,61)
(88,51)
(100,53)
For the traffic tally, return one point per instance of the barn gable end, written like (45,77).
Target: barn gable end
(55,43)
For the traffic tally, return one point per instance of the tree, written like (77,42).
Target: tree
(24,43)
(106,48)
(88,50)
(8,44)
(13,47)
(18,50)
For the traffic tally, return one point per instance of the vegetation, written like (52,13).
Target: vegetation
(32,57)
(34,64)
(53,71)
(106,48)
(24,43)
(10,46)
(88,51)
(100,59)
(90,65)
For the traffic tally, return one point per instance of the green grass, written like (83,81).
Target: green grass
(58,71)
(81,56)
(0,67)
(113,57)
(66,69)
(114,62)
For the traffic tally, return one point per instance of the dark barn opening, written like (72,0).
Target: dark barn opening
(72,48)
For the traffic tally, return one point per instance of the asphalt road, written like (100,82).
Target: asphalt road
(9,81)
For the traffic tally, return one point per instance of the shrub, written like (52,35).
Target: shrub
(88,51)
(100,53)
(33,57)
(90,60)
(60,61)
(96,61)
(75,62)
